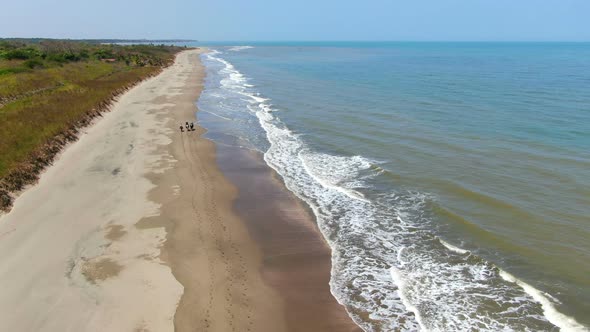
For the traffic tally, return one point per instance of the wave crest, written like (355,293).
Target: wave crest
(389,269)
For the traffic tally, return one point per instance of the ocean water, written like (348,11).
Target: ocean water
(452,180)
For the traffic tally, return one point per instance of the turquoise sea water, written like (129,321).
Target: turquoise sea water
(452,180)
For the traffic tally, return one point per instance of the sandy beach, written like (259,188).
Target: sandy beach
(134,229)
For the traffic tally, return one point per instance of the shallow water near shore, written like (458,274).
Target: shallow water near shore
(450,180)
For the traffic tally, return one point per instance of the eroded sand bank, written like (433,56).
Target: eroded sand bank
(71,255)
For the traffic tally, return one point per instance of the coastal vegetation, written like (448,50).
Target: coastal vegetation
(51,88)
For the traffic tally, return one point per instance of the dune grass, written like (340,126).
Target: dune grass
(44,99)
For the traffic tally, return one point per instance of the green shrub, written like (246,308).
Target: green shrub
(33,63)
(70,56)
(63,57)
(20,54)
(58,57)
(104,53)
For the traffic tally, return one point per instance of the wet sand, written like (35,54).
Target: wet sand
(296,259)
(135,228)
(208,247)
(268,268)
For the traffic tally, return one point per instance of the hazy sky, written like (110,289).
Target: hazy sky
(533,20)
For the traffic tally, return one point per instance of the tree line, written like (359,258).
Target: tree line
(47,53)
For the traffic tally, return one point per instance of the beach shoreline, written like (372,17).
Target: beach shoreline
(208,248)
(134,228)
(296,257)
(254,282)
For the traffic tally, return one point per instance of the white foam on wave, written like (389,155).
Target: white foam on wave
(330,172)
(399,258)
(565,323)
(240,48)
(400,281)
(234,78)
(453,248)
(379,265)
(464,282)
(257,99)
(304,175)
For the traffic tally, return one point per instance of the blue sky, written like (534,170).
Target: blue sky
(304,20)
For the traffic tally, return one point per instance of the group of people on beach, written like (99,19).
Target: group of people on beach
(189,127)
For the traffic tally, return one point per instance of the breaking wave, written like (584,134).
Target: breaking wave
(390,270)
(240,48)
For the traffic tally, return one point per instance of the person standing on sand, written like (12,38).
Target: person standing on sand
(186,125)
(181,129)
(192,126)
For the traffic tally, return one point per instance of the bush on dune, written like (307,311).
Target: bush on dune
(49,89)
(20,54)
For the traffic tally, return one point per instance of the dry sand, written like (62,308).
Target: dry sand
(133,229)
(71,255)
(208,247)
